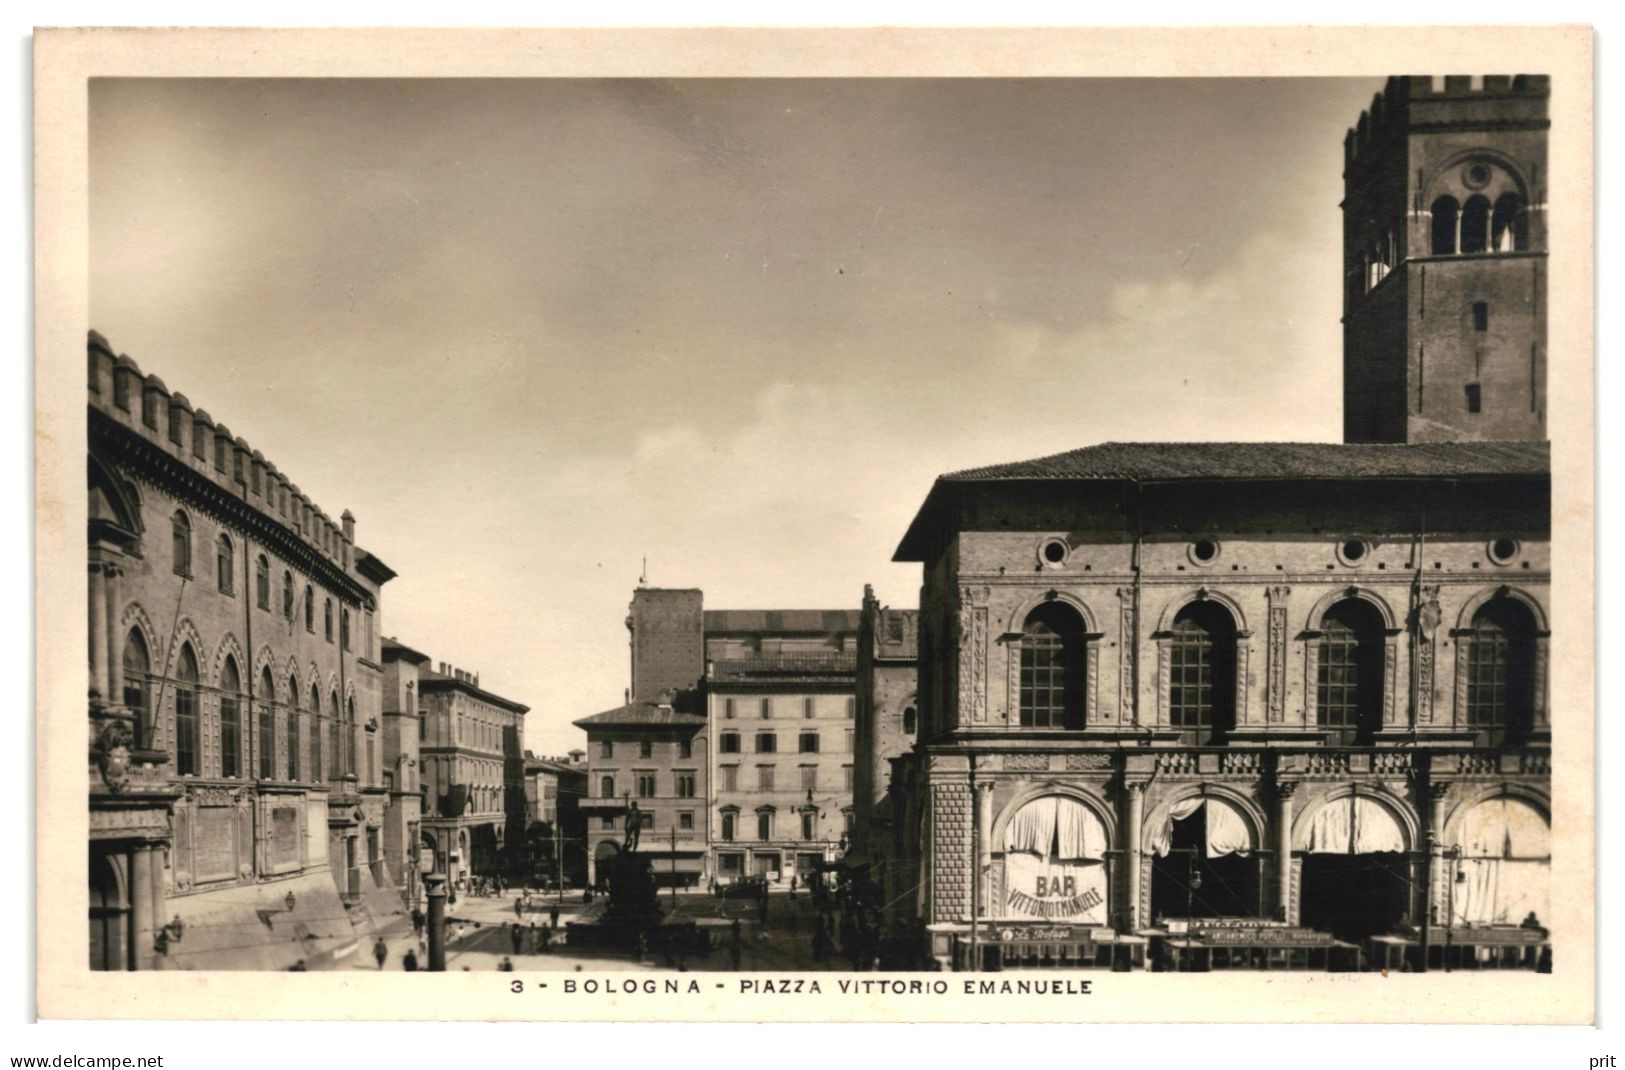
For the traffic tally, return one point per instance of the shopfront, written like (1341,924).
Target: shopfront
(1503,861)
(1205,861)
(1055,864)
(1357,868)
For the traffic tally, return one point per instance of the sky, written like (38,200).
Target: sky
(535,333)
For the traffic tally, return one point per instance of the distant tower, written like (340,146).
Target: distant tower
(1444,254)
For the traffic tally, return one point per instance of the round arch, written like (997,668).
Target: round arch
(1444,179)
(1161,815)
(1354,591)
(1094,803)
(1405,819)
(1165,623)
(1531,797)
(1018,618)
(1470,608)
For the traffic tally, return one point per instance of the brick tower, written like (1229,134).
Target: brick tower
(1444,254)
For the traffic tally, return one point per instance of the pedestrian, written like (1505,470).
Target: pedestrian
(547,938)
(298,967)
(409,961)
(417,921)
(553,916)
(762,907)
(380,951)
(506,965)
(516,936)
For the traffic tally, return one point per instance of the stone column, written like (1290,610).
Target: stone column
(141,905)
(1131,853)
(98,635)
(984,846)
(1283,846)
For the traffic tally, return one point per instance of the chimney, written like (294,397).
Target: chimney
(348,519)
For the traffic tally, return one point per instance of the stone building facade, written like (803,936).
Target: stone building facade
(554,788)
(236,813)
(401,733)
(888,724)
(1445,254)
(471,754)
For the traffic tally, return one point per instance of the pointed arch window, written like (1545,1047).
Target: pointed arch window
(138,686)
(1350,669)
(316,733)
(186,713)
(310,609)
(287,595)
(293,729)
(327,618)
(180,531)
(225,564)
(231,720)
(1501,666)
(333,753)
(349,737)
(262,582)
(267,726)
(1202,670)
(1052,668)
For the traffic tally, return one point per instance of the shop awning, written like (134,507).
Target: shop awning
(1352,825)
(1226,830)
(249,927)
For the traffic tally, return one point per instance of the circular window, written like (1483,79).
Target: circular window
(1204,551)
(1477,174)
(1353,551)
(1503,551)
(1052,553)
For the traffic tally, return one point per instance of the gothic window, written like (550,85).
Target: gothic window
(180,531)
(327,618)
(293,729)
(287,595)
(349,737)
(1475,224)
(1350,672)
(1052,668)
(267,726)
(1446,211)
(310,609)
(186,713)
(316,733)
(1507,231)
(231,720)
(344,629)
(225,565)
(137,686)
(262,582)
(1202,669)
(1501,666)
(334,756)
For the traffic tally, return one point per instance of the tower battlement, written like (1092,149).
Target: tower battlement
(1411,100)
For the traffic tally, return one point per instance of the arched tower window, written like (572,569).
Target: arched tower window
(1202,676)
(1350,671)
(1501,666)
(262,582)
(293,729)
(1052,668)
(225,564)
(1446,213)
(186,713)
(180,531)
(1507,232)
(267,725)
(231,720)
(138,686)
(1475,224)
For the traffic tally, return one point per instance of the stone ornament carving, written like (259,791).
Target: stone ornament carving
(111,753)
(1026,763)
(1088,762)
(1276,657)
(1428,618)
(1127,653)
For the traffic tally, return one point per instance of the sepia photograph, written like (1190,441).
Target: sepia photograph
(1031,545)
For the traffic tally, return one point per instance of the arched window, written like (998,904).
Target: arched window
(293,729)
(262,582)
(327,617)
(186,713)
(225,565)
(287,595)
(316,733)
(1446,215)
(1350,671)
(1202,676)
(1501,666)
(911,721)
(231,720)
(267,726)
(334,755)
(349,737)
(344,629)
(1475,224)
(1507,233)
(180,531)
(138,686)
(310,609)
(1052,668)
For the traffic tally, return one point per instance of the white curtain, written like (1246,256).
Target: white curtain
(1032,828)
(1054,862)
(1080,834)
(1505,865)
(1226,829)
(1354,825)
